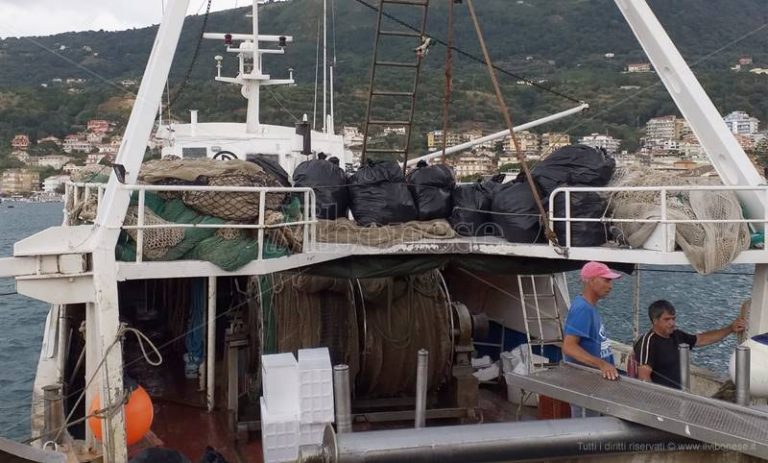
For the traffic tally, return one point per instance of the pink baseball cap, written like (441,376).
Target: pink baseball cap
(597,269)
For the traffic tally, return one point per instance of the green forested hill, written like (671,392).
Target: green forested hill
(561,43)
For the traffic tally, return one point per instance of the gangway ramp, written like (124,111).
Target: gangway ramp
(724,425)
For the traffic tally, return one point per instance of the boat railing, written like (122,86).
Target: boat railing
(663,219)
(77,195)
(81,193)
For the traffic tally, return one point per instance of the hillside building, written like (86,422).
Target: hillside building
(480,164)
(98,126)
(55,161)
(741,123)
(20,142)
(530,143)
(639,67)
(550,141)
(53,182)
(19,181)
(596,140)
(435,139)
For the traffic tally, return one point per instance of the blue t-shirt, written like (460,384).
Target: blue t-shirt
(584,321)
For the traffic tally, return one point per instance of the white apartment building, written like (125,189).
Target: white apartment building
(53,182)
(474,165)
(739,122)
(597,140)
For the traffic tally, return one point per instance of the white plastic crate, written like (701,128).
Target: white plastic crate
(279,436)
(280,382)
(315,386)
(311,433)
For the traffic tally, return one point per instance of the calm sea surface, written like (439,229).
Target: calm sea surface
(703,303)
(21,319)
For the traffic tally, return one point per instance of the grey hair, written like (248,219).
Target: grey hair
(657,309)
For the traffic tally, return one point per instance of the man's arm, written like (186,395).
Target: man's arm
(711,337)
(644,372)
(642,354)
(572,349)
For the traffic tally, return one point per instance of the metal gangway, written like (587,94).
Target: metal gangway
(722,425)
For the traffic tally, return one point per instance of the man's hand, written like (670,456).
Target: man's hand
(609,371)
(738,325)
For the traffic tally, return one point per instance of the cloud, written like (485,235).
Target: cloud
(47,17)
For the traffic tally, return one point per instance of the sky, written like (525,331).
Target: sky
(20,18)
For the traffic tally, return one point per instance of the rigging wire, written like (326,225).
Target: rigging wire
(448,81)
(473,57)
(280,103)
(188,74)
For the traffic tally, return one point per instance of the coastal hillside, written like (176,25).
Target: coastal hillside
(577,48)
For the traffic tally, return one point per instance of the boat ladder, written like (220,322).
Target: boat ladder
(723,425)
(543,326)
(382,92)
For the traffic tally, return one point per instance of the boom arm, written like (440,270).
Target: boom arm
(726,155)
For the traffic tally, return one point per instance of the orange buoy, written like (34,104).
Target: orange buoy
(139,413)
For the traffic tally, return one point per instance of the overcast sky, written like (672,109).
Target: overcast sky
(45,17)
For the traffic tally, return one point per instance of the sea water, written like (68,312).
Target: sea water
(703,303)
(21,318)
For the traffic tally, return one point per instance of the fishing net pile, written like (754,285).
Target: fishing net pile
(708,246)
(229,248)
(374,325)
(82,206)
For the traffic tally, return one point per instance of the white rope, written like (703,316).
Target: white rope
(141,337)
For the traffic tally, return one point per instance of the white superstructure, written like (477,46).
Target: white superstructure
(227,140)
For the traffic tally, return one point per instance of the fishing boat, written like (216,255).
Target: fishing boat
(141,352)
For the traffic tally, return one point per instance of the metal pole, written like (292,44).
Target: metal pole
(742,375)
(210,364)
(422,372)
(685,367)
(53,412)
(342,399)
(636,304)
(511,441)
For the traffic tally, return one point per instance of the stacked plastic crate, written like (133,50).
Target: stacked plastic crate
(316,394)
(280,408)
(297,402)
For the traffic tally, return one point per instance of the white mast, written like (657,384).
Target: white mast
(252,85)
(325,66)
(330,118)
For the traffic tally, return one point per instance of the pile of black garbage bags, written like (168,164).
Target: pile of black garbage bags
(380,194)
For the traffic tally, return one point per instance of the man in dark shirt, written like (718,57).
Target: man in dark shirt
(657,352)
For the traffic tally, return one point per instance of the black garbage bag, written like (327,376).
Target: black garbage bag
(271,166)
(431,189)
(329,183)
(380,196)
(212,456)
(516,214)
(471,206)
(573,165)
(157,455)
(584,204)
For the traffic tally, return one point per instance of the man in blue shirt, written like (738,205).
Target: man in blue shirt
(585,341)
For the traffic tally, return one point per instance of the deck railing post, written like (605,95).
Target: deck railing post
(742,375)
(685,367)
(342,398)
(140,231)
(422,374)
(53,412)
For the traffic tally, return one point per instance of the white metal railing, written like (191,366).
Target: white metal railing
(309,221)
(72,193)
(663,190)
